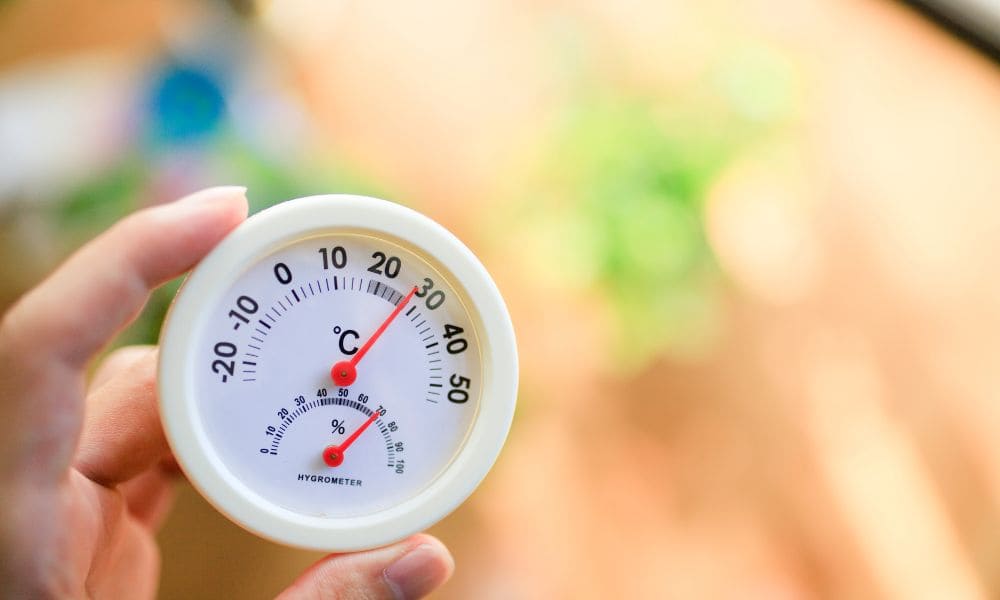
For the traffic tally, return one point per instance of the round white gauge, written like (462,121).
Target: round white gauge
(340,372)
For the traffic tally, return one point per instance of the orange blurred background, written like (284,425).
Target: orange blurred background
(747,247)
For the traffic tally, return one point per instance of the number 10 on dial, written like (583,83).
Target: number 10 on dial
(337,374)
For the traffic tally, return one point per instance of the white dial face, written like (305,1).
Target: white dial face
(311,402)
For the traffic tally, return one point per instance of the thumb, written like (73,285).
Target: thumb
(406,570)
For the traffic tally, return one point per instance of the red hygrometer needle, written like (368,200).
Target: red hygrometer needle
(334,455)
(345,372)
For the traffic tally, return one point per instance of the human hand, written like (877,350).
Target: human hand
(85,476)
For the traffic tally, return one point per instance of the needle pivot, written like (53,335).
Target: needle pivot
(344,373)
(332,456)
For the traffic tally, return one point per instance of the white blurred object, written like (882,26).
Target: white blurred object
(62,121)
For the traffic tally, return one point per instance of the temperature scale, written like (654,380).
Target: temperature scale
(339,373)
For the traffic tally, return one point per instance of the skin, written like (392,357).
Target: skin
(85,470)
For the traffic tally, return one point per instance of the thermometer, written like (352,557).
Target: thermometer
(339,373)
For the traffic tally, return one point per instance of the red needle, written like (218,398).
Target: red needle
(334,455)
(345,372)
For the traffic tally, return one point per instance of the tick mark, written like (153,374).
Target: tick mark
(264,323)
(297,299)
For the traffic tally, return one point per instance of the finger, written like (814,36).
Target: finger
(74,312)
(49,335)
(123,556)
(122,435)
(150,495)
(116,362)
(409,569)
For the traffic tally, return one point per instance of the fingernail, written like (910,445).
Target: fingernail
(213,193)
(414,574)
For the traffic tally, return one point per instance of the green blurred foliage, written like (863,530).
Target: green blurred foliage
(622,194)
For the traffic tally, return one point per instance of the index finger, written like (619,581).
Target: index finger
(48,337)
(71,315)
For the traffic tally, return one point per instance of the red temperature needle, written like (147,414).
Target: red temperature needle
(345,372)
(334,455)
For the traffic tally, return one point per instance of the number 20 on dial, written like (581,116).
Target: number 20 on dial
(340,372)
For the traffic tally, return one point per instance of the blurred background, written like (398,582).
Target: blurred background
(749,249)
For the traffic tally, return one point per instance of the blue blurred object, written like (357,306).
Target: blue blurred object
(186,104)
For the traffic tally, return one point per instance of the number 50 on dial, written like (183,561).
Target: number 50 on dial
(340,372)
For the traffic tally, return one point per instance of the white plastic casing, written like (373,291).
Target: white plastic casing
(249,243)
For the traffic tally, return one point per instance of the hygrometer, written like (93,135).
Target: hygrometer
(338,373)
